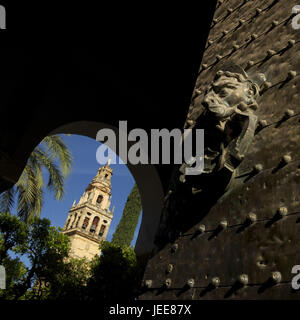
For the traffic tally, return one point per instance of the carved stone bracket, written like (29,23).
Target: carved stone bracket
(228,120)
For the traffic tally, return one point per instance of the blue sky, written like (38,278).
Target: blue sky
(85,167)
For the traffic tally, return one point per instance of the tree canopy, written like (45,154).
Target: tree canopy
(127,225)
(43,246)
(51,274)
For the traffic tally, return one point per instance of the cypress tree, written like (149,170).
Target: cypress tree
(130,217)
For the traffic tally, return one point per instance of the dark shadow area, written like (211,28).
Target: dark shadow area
(160,290)
(244,226)
(287,21)
(279,123)
(283,83)
(266,285)
(276,218)
(182,200)
(270,29)
(206,290)
(280,165)
(235,287)
(272,5)
(103,82)
(184,289)
(282,51)
(215,233)
(225,17)
(259,128)
(196,234)
(250,175)
(293,291)
(265,60)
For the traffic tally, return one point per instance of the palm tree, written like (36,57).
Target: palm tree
(51,155)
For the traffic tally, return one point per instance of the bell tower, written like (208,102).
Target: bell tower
(89,220)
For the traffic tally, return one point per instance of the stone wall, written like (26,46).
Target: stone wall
(82,247)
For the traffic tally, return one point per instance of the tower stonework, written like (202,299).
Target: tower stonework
(89,220)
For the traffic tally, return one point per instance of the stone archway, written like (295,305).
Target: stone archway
(147,179)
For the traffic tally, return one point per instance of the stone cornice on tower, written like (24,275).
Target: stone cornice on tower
(84,234)
(92,207)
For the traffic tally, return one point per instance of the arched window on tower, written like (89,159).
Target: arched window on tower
(94,224)
(85,222)
(102,229)
(99,199)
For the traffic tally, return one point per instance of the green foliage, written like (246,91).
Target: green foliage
(28,191)
(13,235)
(15,276)
(44,247)
(115,274)
(68,282)
(127,225)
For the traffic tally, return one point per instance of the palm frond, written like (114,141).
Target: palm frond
(36,167)
(29,194)
(28,191)
(7,199)
(57,148)
(56,178)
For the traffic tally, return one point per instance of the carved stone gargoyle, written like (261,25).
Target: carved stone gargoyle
(228,121)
